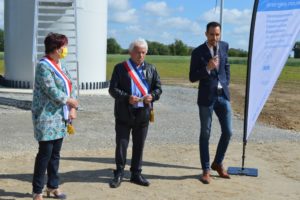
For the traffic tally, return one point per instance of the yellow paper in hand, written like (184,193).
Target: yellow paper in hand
(70,129)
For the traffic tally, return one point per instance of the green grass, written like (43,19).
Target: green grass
(1,67)
(177,67)
(168,66)
(238,60)
(1,63)
(290,74)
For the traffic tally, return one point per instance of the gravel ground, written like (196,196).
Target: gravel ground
(176,122)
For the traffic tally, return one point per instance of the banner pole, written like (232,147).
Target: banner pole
(242,170)
(243,156)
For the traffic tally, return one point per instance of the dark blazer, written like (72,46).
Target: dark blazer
(120,90)
(208,83)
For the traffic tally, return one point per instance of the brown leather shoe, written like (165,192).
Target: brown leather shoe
(205,178)
(220,169)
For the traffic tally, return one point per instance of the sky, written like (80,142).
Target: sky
(165,21)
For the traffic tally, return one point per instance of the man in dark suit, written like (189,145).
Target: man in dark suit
(209,65)
(135,85)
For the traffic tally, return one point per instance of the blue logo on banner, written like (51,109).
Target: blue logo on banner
(266,68)
(278,5)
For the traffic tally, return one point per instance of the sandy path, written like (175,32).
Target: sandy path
(173,172)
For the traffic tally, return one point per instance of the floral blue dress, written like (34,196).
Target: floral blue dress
(49,97)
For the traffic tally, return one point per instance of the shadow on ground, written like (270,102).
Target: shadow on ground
(93,176)
(18,195)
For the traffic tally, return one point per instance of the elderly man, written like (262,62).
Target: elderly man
(135,85)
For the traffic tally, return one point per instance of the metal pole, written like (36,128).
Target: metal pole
(76,52)
(221,16)
(35,41)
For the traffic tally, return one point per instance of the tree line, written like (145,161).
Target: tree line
(296,50)
(177,48)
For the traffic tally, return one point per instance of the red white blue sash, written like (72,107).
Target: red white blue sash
(67,82)
(136,77)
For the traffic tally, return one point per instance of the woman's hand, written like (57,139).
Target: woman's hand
(73,103)
(72,114)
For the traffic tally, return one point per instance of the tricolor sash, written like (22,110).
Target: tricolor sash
(137,78)
(67,82)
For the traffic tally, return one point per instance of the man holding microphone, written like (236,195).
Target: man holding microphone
(209,65)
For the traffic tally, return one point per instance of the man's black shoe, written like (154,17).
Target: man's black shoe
(139,179)
(116,181)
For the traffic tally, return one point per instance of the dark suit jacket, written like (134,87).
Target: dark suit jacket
(120,90)
(208,83)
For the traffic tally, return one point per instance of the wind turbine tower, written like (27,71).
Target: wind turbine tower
(84,22)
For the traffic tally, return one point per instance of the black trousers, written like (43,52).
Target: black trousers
(139,134)
(47,159)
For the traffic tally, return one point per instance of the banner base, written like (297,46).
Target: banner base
(243,172)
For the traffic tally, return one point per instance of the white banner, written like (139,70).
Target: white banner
(276,29)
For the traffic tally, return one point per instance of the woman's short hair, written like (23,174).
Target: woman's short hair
(140,42)
(54,41)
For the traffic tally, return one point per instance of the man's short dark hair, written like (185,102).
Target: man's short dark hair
(212,24)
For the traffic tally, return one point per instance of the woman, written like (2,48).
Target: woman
(54,105)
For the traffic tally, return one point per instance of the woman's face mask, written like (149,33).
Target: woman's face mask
(63,53)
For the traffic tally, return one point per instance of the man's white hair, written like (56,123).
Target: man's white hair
(140,42)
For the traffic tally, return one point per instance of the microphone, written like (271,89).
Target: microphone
(215,50)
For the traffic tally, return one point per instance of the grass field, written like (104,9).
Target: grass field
(177,67)
(285,96)
(1,63)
